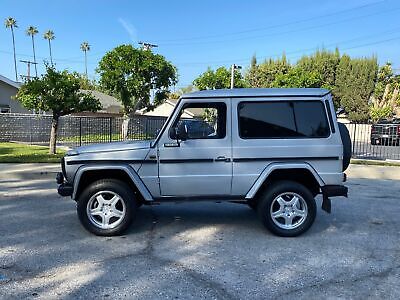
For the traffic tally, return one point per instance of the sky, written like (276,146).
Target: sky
(194,35)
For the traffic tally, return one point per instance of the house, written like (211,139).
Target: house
(166,108)
(110,105)
(8,89)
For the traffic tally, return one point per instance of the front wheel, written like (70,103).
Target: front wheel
(107,207)
(287,209)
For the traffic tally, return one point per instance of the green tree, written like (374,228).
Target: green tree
(32,31)
(218,79)
(85,47)
(130,74)
(58,92)
(298,78)
(386,97)
(12,23)
(49,36)
(325,63)
(264,74)
(354,85)
(181,91)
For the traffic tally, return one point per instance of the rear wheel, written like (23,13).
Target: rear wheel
(287,209)
(107,207)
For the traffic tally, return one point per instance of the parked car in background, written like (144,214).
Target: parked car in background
(386,132)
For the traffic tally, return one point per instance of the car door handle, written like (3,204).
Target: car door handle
(223,158)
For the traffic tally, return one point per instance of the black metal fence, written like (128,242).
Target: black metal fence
(364,148)
(75,131)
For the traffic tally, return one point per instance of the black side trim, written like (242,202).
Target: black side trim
(108,161)
(189,160)
(249,159)
(212,198)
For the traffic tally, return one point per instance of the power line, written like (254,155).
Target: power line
(394,30)
(275,26)
(280,32)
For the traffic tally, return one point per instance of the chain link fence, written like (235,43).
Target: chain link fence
(74,131)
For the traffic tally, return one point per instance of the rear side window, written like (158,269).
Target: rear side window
(283,119)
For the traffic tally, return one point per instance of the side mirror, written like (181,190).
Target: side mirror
(181,132)
(339,111)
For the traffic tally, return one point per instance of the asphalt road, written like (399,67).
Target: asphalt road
(198,250)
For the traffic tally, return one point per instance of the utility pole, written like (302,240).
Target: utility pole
(147,46)
(233,68)
(28,63)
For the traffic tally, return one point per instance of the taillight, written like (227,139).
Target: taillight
(398,129)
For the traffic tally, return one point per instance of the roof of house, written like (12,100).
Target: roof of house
(106,101)
(4,79)
(253,92)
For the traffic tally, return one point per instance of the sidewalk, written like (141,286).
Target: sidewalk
(28,171)
(373,172)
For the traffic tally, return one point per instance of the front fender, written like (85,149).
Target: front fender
(127,169)
(280,166)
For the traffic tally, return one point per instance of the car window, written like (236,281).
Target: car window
(283,119)
(202,120)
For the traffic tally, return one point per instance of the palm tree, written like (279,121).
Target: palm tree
(49,35)
(85,47)
(31,31)
(12,23)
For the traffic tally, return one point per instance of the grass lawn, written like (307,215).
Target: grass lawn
(21,153)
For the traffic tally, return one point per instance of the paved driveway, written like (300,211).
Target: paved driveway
(199,250)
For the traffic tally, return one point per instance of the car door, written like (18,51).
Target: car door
(202,164)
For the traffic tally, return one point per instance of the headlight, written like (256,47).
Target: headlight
(72,152)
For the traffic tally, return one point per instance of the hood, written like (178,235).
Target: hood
(114,146)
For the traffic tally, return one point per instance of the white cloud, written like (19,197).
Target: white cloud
(129,28)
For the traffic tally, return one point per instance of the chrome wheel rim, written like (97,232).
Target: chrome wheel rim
(106,209)
(289,210)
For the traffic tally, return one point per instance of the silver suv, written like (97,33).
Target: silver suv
(273,149)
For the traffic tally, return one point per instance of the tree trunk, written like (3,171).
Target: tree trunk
(86,65)
(34,55)
(51,56)
(15,57)
(124,129)
(53,135)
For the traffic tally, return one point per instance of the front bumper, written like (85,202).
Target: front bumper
(64,188)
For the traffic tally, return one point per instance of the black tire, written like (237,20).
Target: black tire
(373,142)
(126,200)
(345,135)
(268,199)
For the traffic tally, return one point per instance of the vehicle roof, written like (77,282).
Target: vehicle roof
(258,92)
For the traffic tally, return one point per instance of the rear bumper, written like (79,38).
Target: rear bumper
(334,190)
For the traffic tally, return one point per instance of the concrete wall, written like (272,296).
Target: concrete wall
(6,94)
